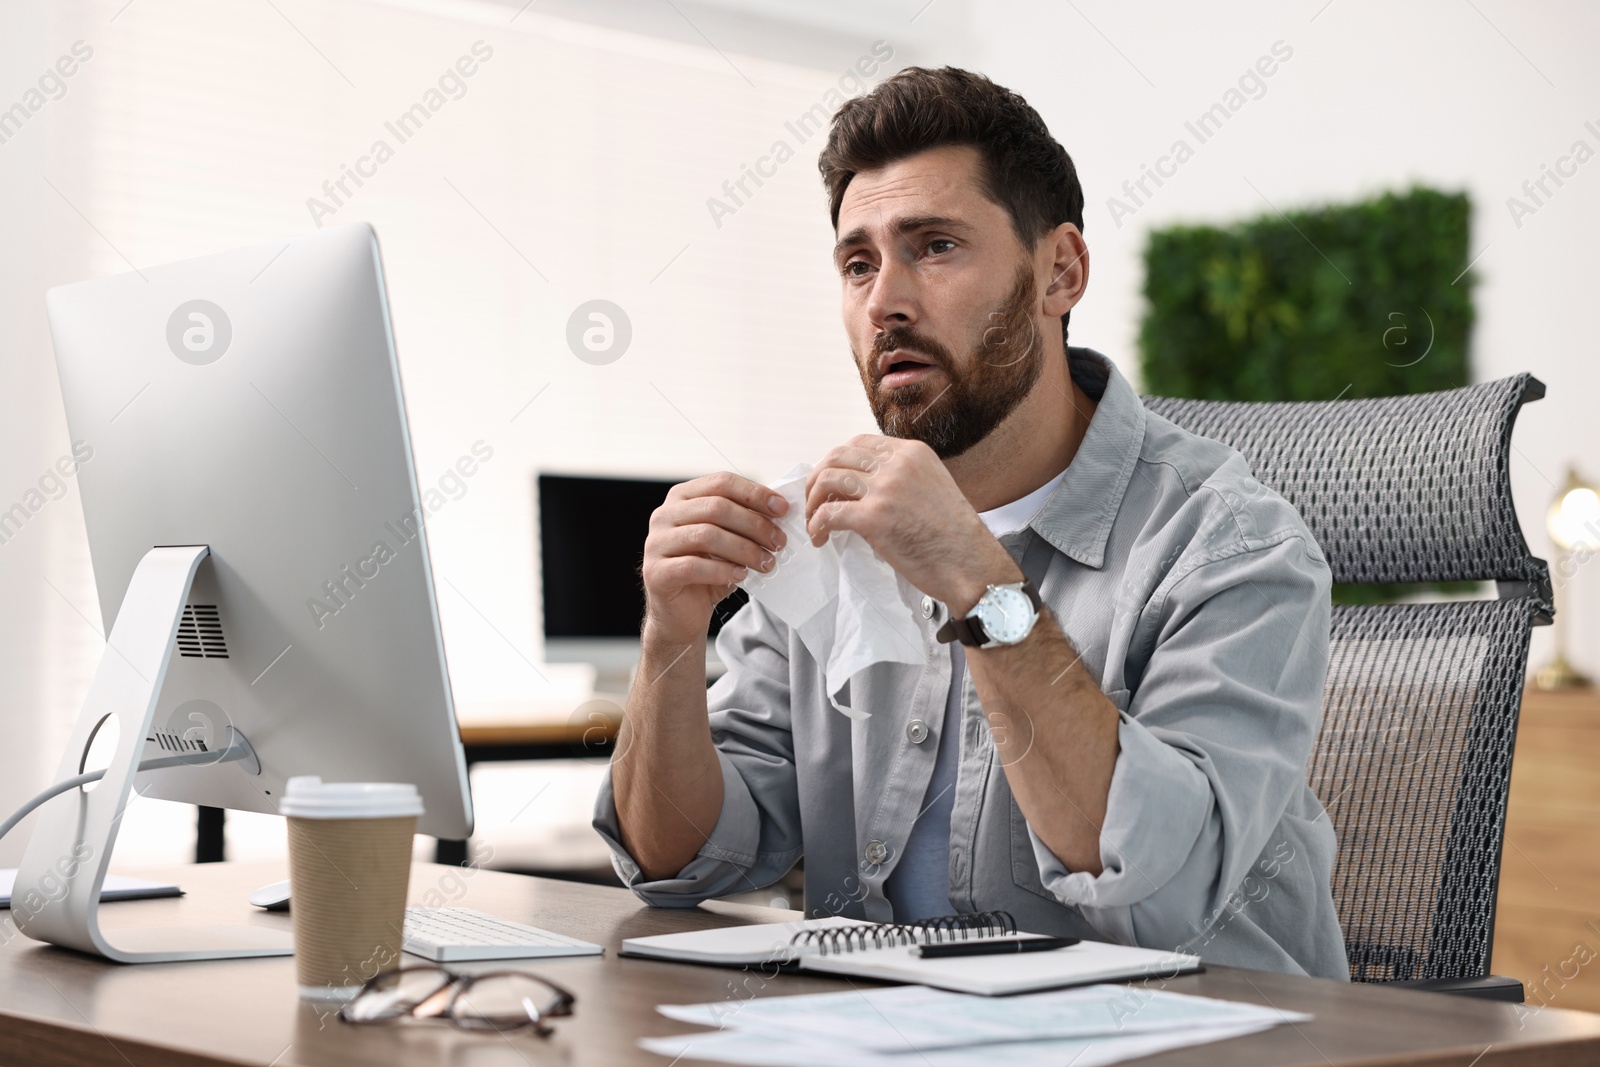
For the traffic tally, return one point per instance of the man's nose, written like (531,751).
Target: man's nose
(893,301)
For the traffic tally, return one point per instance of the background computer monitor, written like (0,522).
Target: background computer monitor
(251,401)
(591,542)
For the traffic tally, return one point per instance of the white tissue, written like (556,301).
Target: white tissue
(849,608)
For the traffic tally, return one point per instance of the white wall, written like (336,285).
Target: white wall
(49,636)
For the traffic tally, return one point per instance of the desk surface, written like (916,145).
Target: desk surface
(58,1007)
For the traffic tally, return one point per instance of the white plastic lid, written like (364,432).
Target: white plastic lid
(309,797)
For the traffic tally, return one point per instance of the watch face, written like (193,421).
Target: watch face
(1006,614)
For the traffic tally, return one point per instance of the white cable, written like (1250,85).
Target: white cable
(236,751)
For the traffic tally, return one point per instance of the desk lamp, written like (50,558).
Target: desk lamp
(1574,524)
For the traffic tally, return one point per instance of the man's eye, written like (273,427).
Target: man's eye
(851,271)
(940,245)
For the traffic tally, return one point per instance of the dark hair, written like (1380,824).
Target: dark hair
(1025,170)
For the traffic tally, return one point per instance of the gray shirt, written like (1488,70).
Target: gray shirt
(1197,598)
(918,887)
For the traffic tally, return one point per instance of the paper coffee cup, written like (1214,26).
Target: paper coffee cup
(349,868)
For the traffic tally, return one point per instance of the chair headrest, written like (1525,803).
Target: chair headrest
(1395,489)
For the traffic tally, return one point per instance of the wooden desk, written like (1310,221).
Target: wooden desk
(60,1008)
(1548,918)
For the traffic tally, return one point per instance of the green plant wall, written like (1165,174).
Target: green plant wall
(1345,301)
(1339,301)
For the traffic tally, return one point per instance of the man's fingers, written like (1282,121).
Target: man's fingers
(681,572)
(720,511)
(735,487)
(831,516)
(855,457)
(862,454)
(832,483)
(705,539)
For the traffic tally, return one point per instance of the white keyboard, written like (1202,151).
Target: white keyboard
(446,935)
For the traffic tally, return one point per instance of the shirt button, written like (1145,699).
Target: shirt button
(876,852)
(927,607)
(916,731)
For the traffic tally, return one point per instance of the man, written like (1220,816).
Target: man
(1125,634)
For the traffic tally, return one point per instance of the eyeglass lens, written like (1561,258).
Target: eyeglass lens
(399,993)
(506,1000)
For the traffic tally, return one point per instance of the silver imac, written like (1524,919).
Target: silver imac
(260,556)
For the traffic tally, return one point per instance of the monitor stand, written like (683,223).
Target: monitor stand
(56,897)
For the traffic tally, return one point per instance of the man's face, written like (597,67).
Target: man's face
(940,300)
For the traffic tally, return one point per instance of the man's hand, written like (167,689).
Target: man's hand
(703,539)
(898,495)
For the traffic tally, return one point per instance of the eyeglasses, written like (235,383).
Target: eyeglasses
(493,1000)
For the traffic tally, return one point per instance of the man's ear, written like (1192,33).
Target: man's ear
(1069,268)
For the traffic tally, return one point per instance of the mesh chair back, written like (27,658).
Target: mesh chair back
(1420,707)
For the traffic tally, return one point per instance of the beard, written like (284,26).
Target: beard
(981,391)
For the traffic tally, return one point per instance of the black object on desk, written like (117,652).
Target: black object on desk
(1006,946)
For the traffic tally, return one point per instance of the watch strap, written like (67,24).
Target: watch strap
(969,631)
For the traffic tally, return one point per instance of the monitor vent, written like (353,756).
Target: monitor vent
(174,743)
(200,633)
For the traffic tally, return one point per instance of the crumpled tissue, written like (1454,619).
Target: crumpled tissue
(850,609)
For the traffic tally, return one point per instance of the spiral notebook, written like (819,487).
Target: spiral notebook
(885,951)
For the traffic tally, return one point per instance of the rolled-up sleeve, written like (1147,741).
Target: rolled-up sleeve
(757,835)
(1214,741)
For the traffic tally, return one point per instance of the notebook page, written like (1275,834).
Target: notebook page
(755,944)
(1080,964)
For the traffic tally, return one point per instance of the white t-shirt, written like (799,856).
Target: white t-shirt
(919,887)
(1008,518)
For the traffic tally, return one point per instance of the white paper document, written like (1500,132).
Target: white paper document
(848,607)
(759,1048)
(916,1025)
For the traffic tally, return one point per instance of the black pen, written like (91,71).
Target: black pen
(1006,946)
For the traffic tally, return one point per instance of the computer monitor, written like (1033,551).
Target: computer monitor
(259,549)
(591,543)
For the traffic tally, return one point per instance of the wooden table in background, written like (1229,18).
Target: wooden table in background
(58,1008)
(583,739)
(1547,928)
(546,740)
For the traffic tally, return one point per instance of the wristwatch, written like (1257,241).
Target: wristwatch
(1003,616)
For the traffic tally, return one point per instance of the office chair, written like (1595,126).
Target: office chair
(1421,701)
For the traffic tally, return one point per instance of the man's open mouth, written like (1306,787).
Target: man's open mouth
(901,366)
